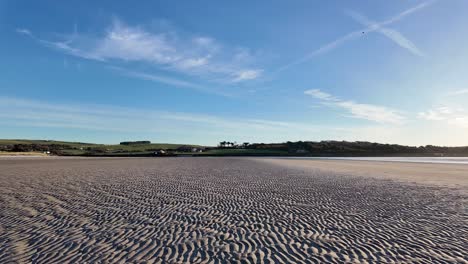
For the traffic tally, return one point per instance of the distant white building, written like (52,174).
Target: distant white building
(160,152)
(197,150)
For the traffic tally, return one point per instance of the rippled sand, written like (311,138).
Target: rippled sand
(198,210)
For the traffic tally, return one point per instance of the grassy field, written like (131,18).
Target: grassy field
(43,142)
(80,148)
(243,152)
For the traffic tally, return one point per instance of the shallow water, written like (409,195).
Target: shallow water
(444,160)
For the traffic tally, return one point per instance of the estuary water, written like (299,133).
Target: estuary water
(444,160)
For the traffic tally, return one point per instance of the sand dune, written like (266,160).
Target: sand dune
(211,210)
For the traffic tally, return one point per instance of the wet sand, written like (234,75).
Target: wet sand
(202,210)
(450,175)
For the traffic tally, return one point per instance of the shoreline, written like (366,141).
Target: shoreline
(439,174)
(462,160)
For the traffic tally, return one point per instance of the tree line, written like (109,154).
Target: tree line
(359,148)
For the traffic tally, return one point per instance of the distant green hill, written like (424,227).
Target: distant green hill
(79,148)
(358,149)
(300,148)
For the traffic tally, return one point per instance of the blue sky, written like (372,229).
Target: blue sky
(207,71)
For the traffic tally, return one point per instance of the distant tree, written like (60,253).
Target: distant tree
(245,144)
(21,148)
(135,142)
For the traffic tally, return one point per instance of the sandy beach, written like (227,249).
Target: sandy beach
(247,210)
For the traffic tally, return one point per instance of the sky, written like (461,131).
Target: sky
(247,71)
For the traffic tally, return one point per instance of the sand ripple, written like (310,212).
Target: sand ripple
(212,210)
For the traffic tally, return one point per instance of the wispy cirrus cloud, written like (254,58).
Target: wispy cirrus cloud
(321,95)
(131,122)
(196,56)
(153,77)
(26,112)
(436,114)
(23,31)
(395,36)
(247,75)
(459,92)
(451,115)
(376,113)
